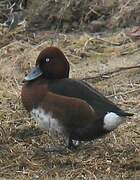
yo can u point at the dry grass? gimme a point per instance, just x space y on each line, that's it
22 143
72 15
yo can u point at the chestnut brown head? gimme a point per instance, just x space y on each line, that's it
51 63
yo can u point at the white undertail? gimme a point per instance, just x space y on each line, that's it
112 121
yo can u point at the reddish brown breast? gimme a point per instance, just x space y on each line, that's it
32 94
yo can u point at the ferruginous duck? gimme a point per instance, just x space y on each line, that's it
67 106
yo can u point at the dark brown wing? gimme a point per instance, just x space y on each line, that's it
79 89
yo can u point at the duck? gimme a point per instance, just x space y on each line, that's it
69 107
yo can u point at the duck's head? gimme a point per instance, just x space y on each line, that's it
51 64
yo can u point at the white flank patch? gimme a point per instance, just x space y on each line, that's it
46 121
75 142
112 121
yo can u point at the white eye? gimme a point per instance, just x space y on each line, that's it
47 59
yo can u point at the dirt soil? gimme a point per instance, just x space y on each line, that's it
110 62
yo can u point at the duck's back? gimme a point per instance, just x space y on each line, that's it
80 89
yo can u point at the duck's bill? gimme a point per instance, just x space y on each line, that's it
35 73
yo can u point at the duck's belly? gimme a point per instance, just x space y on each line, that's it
87 134
110 122
46 121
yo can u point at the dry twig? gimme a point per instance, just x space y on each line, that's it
106 75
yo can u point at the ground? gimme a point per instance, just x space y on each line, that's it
109 62
91 58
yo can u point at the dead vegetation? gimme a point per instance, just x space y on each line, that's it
23 144
111 63
92 16
71 15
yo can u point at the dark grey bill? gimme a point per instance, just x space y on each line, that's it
35 73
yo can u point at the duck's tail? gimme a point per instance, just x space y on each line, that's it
123 114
